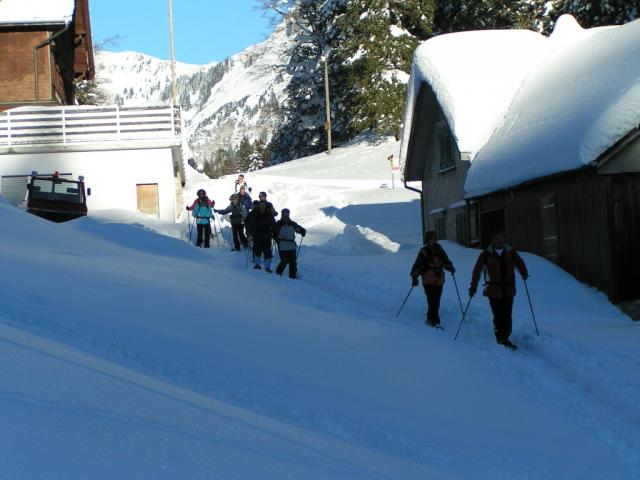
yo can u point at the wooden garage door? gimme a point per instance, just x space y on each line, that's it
148 198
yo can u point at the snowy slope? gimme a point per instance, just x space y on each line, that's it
133 78
222 101
128 354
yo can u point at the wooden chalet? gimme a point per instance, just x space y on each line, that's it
560 172
46 46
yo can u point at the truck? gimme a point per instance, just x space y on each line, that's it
55 198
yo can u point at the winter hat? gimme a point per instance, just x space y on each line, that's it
285 211
201 191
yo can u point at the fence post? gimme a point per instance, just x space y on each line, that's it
9 126
64 127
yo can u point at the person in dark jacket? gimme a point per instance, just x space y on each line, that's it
238 214
284 233
201 209
270 207
259 225
245 199
499 261
430 263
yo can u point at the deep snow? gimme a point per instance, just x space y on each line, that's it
128 354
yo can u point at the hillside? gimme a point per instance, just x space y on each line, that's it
223 102
128 354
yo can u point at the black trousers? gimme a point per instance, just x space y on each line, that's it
203 230
238 235
434 293
502 320
288 257
262 246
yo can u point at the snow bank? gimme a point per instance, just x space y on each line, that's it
569 111
36 11
357 240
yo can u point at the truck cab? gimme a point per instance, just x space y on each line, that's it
55 198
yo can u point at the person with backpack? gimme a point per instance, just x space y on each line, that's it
284 233
499 261
201 209
430 263
238 214
259 225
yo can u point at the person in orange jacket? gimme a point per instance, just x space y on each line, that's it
499 262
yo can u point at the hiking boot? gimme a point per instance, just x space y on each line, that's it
268 270
257 267
236 249
508 344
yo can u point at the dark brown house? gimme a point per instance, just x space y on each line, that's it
560 172
46 46
450 114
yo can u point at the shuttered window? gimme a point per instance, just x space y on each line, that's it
447 150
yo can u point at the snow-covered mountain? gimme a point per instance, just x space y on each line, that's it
222 101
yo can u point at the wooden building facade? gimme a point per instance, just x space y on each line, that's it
434 159
587 221
41 59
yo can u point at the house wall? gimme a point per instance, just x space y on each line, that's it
17 71
582 217
440 188
111 175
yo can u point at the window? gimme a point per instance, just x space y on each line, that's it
462 228
447 150
440 227
474 226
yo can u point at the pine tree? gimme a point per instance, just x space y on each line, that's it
594 13
243 154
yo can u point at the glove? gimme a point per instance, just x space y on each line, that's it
303 232
472 291
525 276
188 208
452 270
414 281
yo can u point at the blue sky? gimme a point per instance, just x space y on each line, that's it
204 30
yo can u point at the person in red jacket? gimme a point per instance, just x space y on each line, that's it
431 262
499 262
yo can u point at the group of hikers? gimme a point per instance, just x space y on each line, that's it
253 226
497 263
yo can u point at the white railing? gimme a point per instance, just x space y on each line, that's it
86 124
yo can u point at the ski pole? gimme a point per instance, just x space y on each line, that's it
215 232
531 307
464 314
299 246
453 275
220 226
405 301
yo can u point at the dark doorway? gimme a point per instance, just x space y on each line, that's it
626 239
490 221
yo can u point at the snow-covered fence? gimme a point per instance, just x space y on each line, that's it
71 125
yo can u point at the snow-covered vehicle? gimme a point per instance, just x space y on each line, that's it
55 198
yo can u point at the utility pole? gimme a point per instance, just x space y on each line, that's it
173 57
327 124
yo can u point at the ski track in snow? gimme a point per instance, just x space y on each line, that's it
591 390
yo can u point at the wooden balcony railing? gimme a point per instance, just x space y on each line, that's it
76 125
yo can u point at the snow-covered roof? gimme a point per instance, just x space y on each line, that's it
569 111
40 12
474 76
